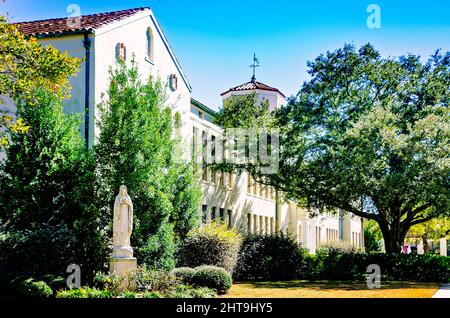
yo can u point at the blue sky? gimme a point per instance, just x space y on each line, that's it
215 40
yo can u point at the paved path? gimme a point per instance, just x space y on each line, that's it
444 292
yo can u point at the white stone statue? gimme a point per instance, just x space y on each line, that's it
122 225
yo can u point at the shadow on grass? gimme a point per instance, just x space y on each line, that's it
334 285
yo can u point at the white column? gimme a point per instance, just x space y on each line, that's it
443 246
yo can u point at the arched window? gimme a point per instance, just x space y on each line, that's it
149 44
121 52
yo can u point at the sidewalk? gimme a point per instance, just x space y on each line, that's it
444 292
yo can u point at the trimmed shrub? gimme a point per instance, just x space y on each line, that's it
336 265
183 291
272 257
186 274
213 245
35 289
212 277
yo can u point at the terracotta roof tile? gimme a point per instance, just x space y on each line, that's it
253 85
88 23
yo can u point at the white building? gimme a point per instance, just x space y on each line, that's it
103 38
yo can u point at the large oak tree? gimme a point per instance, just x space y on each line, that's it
371 136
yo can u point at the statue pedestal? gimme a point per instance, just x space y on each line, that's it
123 267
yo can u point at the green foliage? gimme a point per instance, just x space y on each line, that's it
49 249
185 274
183 291
27 66
35 289
110 282
136 149
47 198
244 112
144 280
431 230
159 249
152 295
212 277
335 265
372 237
271 257
371 131
128 294
85 292
212 244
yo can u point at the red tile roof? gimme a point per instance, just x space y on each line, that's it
253 85
88 23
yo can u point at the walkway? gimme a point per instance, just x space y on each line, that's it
444 292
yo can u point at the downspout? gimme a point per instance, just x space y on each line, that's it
87 45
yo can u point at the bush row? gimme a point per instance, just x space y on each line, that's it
281 258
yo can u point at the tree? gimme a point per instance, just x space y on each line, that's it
244 111
26 66
136 148
431 230
370 136
372 237
47 186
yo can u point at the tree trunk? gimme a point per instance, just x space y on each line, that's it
426 246
393 240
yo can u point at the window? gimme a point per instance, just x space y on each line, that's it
204 149
300 234
121 52
149 44
266 225
261 225
255 224
341 226
204 213
249 223
222 215
213 158
213 213
230 219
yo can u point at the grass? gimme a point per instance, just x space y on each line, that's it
331 289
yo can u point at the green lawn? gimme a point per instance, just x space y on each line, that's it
331 289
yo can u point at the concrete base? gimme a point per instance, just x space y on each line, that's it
123 267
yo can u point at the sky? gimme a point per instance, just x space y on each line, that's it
215 40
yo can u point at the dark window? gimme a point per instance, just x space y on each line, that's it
204 212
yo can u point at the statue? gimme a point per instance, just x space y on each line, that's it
123 224
122 261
